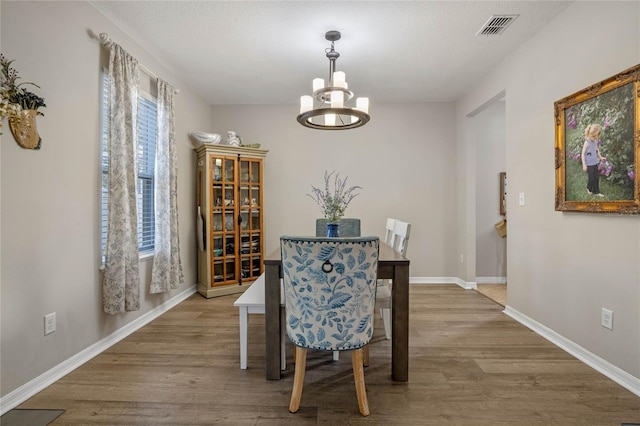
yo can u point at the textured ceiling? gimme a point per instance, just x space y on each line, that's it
267 52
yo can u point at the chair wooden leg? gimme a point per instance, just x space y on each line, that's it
298 378
283 339
358 374
365 356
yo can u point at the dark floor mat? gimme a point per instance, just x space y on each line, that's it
28 417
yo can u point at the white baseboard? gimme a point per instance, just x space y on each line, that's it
29 389
619 376
491 280
469 285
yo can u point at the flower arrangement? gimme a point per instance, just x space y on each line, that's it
14 97
333 203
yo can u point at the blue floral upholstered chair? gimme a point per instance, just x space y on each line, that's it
330 289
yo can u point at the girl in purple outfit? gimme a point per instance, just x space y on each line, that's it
591 157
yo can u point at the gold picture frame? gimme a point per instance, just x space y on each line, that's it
609 111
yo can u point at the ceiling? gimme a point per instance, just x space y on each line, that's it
267 52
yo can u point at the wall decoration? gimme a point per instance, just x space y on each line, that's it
19 105
597 147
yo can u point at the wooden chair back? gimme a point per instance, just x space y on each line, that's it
388 235
401 232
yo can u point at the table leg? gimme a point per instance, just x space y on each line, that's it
272 321
400 323
244 328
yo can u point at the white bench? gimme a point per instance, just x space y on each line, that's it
252 302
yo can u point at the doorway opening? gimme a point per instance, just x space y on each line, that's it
494 291
488 131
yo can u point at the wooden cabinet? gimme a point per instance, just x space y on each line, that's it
230 234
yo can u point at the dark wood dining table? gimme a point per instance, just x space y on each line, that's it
391 265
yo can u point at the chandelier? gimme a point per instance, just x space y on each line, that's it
331 112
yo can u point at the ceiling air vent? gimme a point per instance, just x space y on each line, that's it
496 24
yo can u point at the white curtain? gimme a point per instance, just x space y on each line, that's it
166 272
121 285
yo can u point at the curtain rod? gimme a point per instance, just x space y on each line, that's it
104 39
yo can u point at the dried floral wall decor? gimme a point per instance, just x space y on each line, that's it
19 105
597 147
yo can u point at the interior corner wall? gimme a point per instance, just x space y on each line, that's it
560 275
465 211
50 217
488 136
404 159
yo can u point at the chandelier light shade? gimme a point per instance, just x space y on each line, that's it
331 111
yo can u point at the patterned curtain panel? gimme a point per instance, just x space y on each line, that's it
121 286
166 272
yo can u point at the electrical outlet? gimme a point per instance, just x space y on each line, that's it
49 323
607 318
461 258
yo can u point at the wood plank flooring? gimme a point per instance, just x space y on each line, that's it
469 365
495 292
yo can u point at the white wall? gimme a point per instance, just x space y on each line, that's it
488 134
51 198
558 276
404 159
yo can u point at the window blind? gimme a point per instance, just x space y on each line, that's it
147 136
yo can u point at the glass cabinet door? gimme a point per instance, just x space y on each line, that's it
229 169
255 171
250 219
216 169
216 193
223 223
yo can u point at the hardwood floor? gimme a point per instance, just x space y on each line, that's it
469 365
495 292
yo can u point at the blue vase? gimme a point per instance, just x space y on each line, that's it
332 230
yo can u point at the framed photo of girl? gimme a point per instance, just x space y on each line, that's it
597 147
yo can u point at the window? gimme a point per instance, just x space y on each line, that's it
146 154
146 158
